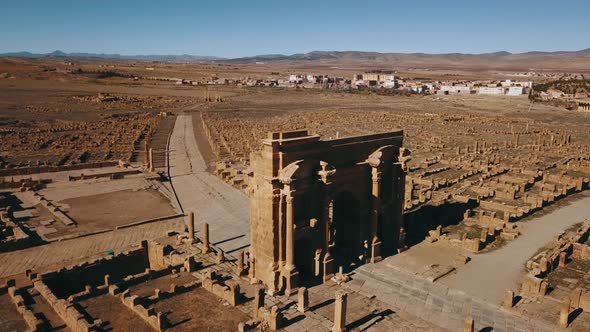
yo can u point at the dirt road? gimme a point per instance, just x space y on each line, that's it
489 275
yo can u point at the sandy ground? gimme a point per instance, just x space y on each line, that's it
114 314
490 274
120 207
225 208
10 319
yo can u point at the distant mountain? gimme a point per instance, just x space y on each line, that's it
60 54
502 60
529 61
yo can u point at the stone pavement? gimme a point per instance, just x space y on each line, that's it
70 251
362 314
225 208
436 303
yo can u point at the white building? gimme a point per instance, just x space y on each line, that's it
515 91
461 89
486 90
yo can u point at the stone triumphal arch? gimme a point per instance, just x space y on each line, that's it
317 204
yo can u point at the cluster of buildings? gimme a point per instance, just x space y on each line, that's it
505 87
376 80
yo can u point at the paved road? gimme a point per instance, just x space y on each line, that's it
225 208
489 275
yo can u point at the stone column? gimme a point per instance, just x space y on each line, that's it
289 246
468 325
302 299
151 153
564 312
375 242
191 228
240 263
290 273
281 230
258 300
205 248
147 156
327 261
325 175
562 259
543 265
508 299
340 312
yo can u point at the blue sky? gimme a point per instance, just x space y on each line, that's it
249 27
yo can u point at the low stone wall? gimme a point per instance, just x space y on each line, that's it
76 278
13 237
24 183
150 316
111 175
65 310
155 319
53 169
29 317
230 292
535 282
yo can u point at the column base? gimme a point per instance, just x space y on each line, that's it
290 280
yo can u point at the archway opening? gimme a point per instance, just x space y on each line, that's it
347 244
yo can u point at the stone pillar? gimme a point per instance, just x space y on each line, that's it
281 230
289 247
240 263
107 280
205 248
258 300
376 197
543 264
468 325
302 299
340 312
576 297
220 257
327 260
290 270
147 156
191 228
564 312
151 154
328 263
483 237
562 259
508 299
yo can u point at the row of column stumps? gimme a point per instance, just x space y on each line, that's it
303 305
206 247
564 306
302 292
191 233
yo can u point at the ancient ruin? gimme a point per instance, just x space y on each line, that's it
317 205
337 191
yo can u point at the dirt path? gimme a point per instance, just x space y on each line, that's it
225 208
489 275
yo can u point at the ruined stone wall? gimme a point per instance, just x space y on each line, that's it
74 279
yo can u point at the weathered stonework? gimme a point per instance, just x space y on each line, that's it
316 205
